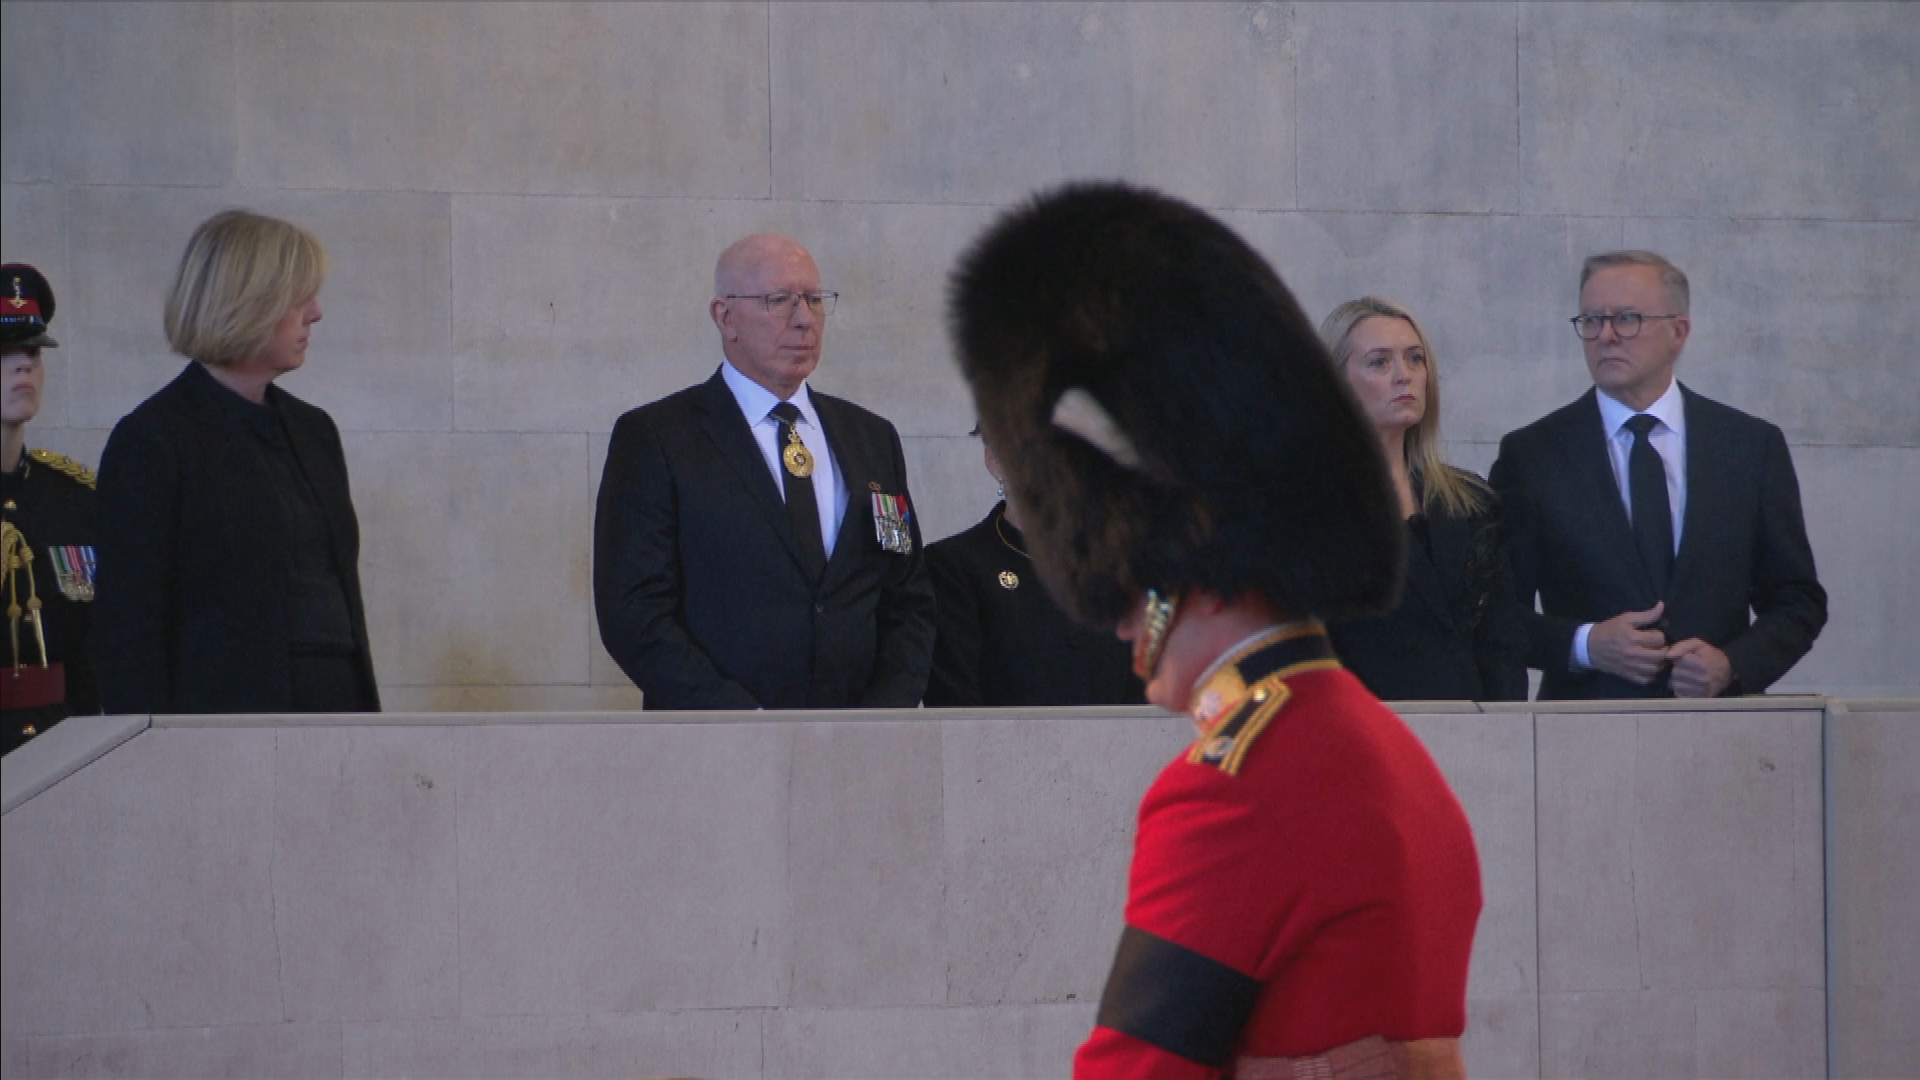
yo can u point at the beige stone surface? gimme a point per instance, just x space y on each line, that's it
264 1051
1873 933
473 566
616 869
866 874
583 99
1724 110
1775 328
152 85
1039 837
104 934
705 1042
366 880
896 1044
1655 831
1488 761
1502 1039
1857 501
982 102
1383 115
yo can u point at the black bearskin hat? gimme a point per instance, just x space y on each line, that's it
1165 414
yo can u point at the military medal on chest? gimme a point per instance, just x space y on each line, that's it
795 457
891 513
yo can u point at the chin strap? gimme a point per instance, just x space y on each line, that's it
1155 628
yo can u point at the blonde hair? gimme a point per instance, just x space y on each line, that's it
241 272
1455 491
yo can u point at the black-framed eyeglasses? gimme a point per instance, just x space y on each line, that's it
1625 323
782 303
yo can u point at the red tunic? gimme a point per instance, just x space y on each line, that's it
1302 878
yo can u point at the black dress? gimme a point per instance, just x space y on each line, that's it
1002 640
1456 634
50 499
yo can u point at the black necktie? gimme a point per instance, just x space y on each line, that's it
1652 514
796 471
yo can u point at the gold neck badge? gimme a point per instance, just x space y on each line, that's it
795 456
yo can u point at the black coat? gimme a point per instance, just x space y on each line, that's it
1003 641
192 612
697 577
1456 634
50 499
1743 547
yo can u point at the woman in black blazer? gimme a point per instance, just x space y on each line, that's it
1456 634
1001 640
228 547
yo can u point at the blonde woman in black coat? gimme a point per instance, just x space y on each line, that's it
228 543
1456 634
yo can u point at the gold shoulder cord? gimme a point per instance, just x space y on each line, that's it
65 464
17 558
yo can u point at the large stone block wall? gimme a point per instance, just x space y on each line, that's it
1669 891
523 203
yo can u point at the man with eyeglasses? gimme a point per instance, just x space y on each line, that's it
754 544
1661 531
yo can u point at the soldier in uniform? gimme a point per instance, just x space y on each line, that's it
46 539
1001 640
1190 472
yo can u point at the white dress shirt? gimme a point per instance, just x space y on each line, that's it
1669 437
756 403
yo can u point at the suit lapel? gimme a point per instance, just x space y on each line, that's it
1704 459
1592 472
727 427
854 476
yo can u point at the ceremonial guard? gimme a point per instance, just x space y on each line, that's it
1304 886
46 533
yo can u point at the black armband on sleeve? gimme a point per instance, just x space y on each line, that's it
1171 997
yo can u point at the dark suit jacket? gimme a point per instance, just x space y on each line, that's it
697 573
1456 634
1003 646
1743 547
191 614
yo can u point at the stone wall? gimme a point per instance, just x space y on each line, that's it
931 893
523 203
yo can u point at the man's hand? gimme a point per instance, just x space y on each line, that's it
1699 669
1630 645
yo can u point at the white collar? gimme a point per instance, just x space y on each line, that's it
1669 409
757 401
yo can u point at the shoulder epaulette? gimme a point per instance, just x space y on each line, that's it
1249 689
65 464
1226 746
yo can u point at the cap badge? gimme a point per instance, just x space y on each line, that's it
17 301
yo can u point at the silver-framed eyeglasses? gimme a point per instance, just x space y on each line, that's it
782 303
1625 323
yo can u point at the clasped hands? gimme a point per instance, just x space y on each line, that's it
1632 646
